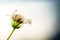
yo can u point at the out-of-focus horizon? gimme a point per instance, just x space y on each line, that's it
42 13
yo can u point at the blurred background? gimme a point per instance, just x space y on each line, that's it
44 15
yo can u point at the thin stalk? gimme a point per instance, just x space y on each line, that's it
10 34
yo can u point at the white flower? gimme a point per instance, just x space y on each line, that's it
18 19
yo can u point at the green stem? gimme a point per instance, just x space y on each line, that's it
11 34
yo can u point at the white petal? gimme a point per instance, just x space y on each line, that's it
27 20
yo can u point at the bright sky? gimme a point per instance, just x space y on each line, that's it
43 15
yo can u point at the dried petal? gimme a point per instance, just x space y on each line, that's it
18 18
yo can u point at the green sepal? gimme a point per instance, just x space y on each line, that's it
15 25
18 26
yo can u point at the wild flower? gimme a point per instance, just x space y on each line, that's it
17 21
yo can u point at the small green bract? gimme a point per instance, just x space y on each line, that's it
16 25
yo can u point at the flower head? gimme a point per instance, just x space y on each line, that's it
18 19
